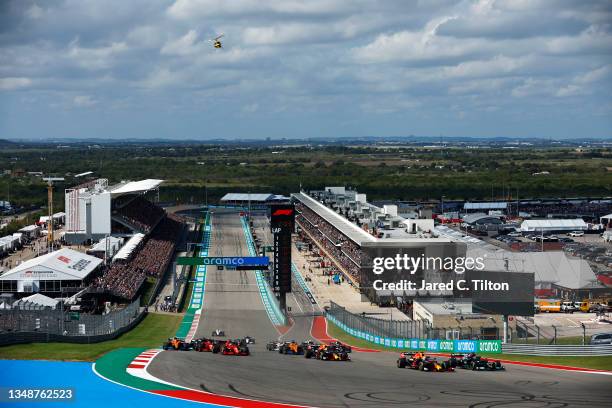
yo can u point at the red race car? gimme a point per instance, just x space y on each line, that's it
234 348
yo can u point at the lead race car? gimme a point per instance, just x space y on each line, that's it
419 361
474 362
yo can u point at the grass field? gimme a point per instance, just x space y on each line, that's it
151 332
599 362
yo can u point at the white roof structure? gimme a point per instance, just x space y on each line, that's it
36 300
131 187
606 217
549 267
125 252
29 228
346 227
63 264
553 225
486 206
113 243
246 197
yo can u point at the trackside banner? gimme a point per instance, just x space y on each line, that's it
440 346
224 260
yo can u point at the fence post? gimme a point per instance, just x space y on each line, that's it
538 339
555 338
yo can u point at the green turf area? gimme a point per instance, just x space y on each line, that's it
598 362
151 332
149 286
184 305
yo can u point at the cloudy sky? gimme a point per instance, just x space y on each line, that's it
317 68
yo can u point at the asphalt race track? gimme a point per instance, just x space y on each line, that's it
232 303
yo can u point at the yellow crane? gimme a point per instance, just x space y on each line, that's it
50 181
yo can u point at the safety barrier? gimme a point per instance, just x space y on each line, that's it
431 345
558 350
267 296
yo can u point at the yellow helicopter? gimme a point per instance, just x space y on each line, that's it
216 42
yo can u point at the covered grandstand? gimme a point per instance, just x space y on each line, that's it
95 210
342 226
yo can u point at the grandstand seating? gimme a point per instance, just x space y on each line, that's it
140 213
344 251
151 258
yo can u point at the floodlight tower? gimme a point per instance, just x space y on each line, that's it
50 181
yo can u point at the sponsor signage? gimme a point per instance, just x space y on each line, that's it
236 261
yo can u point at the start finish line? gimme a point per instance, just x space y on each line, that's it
236 261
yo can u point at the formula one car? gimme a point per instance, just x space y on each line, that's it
475 362
419 361
310 348
273 345
345 347
291 347
249 340
329 353
209 345
410 359
176 344
234 348
218 333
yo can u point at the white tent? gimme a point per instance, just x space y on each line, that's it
35 300
62 265
553 225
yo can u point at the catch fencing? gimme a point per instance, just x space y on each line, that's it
379 327
62 322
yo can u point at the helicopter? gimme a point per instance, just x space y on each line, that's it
216 42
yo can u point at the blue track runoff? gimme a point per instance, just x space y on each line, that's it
90 391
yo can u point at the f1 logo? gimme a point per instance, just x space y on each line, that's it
285 211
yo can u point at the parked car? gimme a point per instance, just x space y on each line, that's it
514 234
576 234
601 338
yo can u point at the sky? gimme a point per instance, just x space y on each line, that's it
120 69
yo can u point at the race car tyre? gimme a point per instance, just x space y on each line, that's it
401 363
308 354
421 366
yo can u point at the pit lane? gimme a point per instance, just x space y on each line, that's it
232 303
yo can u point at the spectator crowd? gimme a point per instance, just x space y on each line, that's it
125 278
140 213
344 251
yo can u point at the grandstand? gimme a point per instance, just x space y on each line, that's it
95 210
343 227
326 221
